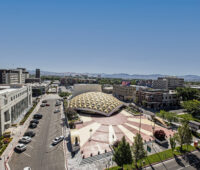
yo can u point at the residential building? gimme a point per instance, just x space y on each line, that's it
124 93
15 100
173 82
157 99
13 76
37 73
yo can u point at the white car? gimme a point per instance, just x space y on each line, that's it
57 140
20 147
25 139
56 111
27 168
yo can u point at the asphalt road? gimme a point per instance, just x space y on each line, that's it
40 154
189 162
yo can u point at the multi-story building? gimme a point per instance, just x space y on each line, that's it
157 99
13 76
33 80
173 82
160 84
15 100
39 88
37 73
83 88
124 93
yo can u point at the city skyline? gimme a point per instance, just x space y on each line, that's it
102 37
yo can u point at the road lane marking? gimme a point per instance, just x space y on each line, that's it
26 154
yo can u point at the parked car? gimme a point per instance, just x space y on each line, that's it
47 104
57 140
44 101
29 133
27 168
37 116
32 125
56 111
20 147
34 121
42 105
25 139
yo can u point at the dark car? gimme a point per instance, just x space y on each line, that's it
37 116
34 121
44 101
47 104
29 133
32 125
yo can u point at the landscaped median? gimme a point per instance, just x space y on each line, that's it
5 139
28 113
156 158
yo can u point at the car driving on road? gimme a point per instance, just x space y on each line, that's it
20 147
57 140
25 140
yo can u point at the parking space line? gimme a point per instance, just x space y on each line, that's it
30 146
26 154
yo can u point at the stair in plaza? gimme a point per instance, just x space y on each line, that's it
92 159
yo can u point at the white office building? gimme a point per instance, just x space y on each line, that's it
15 100
13 76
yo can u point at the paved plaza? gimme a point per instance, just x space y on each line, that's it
98 132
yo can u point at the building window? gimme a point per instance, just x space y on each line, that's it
6 116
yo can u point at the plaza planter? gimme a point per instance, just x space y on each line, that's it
162 142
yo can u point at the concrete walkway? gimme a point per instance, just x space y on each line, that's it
18 133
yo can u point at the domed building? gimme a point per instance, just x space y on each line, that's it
96 102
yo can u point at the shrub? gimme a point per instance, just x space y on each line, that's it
7 134
7 140
116 143
160 134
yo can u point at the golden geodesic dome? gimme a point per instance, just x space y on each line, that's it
96 102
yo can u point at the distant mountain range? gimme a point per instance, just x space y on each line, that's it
117 75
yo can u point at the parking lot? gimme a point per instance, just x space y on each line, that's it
40 154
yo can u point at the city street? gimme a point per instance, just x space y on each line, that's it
189 162
40 154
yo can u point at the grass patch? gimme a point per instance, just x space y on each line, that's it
155 158
27 114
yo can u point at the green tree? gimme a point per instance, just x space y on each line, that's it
70 113
192 106
172 141
122 153
138 149
183 135
187 93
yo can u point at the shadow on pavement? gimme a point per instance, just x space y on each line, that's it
193 160
178 161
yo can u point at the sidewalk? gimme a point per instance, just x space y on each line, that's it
19 131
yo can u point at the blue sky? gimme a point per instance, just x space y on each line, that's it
101 36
